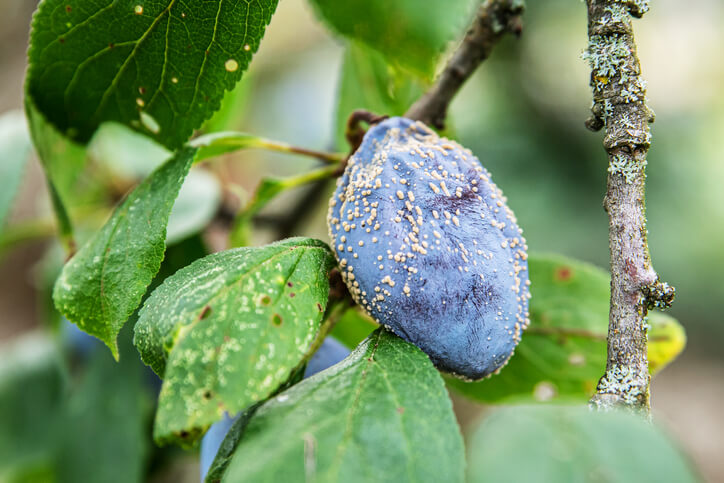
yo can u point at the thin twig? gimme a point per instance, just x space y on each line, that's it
495 18
267 190
619 96
215 144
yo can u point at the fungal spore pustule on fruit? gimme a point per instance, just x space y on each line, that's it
429 248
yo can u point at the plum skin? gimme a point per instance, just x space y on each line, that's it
429 248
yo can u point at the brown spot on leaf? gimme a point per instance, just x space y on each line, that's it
265 300
205 312
563 274
290 284
319 307
277 320
292 294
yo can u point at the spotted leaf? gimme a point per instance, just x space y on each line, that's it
159 66
229 329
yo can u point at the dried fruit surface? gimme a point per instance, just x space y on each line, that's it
429 248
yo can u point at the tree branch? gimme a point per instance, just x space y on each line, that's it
619 105
494 19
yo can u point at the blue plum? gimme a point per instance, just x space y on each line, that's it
330 353
429 248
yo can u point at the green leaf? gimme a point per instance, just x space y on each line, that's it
229 329
131 156
160 66
382 414
62 162
14 151
101 286
106 423
562 354
96 431
407 32
228 445
32 384
548 443
368 82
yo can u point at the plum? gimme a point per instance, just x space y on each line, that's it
429 248
330 353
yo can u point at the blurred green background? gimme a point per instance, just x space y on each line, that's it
522 114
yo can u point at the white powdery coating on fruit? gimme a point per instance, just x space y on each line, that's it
356 209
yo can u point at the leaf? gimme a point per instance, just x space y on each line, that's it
229 329
14 151
368 82
62 162
549 443
562 354
406 32
354 327
92 431
106 417
159 66
101 286
667 339
382 414
228 445
132 156
32 383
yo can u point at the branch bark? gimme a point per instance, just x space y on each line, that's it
494 19
619 106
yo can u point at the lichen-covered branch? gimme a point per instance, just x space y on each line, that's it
619 106
494 19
